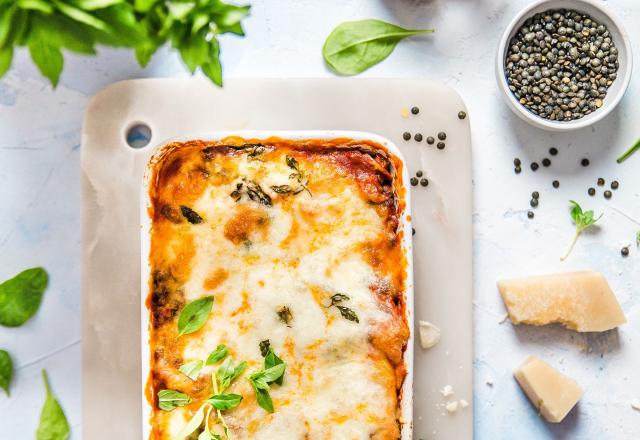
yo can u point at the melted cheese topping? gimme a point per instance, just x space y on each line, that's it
343 378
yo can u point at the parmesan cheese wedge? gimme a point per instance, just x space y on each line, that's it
550 391
581 301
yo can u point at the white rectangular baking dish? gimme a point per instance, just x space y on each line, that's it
406 415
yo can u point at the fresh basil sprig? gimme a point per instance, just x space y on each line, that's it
218 354
53 423
47 27
260 381
354 46
271 360
227 372
583 220
192 369
6 371
168 400
21 295
194 315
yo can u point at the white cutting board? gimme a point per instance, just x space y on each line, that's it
111 186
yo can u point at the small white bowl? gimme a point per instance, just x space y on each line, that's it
615 92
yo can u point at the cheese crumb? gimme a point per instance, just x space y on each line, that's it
635 404
463 403
429 335
404 112
452 406
447 391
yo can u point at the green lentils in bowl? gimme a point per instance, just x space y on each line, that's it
560 64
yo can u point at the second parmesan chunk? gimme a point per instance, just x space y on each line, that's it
553 393
581 301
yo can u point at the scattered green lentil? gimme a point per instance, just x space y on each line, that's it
546 162
534 166
553 151
413 181
585 162
430 140
406 135
442 135
556 184
419 173
441 145
517 169
601 181
535 195
418 137
625 251
415 110
424 182
607 194
534 203
517 162
591 191
462 115
615 184
530 214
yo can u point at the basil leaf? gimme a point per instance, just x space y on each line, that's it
45 55
193 424
195 50
227 372
349 314
225 402
213 68
238 369
263 397
90 5
6 371
194 315
169 400
20 297
53 423
218 354
354 46
274 373
6 57
81 16
36 5
271 360
192 369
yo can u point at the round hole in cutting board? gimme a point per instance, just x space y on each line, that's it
138 135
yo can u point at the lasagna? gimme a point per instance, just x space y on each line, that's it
277 290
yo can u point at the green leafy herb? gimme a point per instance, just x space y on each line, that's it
582 220
257 194
236 194
264 347
169 400
284 315
338 298
20 296
191 216
297 175
225 402
285 189
193 424
349 314
260 381
48 27
354 46
192 369
227 372
271 360
218 354
635 148
53 423
194 315
6 371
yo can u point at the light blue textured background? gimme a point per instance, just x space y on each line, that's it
40 211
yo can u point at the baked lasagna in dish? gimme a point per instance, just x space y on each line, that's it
277 291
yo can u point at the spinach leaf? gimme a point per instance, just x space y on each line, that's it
169 400
218 354
53 423
20 296
354 46
6 371
225 402
192 369
194 315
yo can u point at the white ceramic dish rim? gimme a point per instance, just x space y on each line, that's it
406 408
624 49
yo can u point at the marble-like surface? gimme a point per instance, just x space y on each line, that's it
40 194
